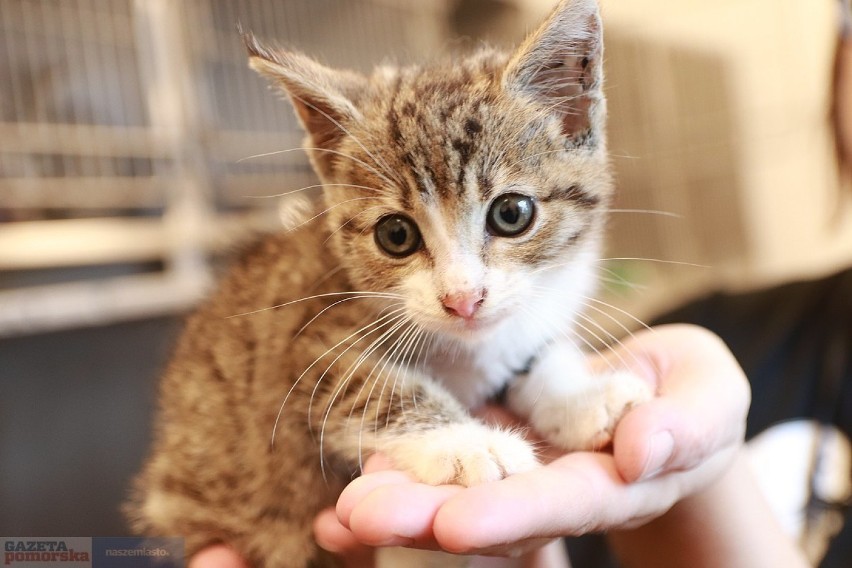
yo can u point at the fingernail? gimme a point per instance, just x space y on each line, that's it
661 448
396 540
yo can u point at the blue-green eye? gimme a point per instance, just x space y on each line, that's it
510 215
397 235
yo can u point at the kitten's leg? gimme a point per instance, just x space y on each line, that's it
425 431
571 407
463 450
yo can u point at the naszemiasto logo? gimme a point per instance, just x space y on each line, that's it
34 550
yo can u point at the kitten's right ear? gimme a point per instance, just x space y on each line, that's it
323 97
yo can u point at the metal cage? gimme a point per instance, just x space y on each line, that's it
135 142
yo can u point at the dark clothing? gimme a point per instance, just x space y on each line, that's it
795 344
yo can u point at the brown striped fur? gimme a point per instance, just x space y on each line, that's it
281 347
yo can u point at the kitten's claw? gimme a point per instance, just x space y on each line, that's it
586 420
465 454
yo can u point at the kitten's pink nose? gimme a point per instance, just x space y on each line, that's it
463 304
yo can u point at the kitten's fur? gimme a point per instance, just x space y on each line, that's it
370 351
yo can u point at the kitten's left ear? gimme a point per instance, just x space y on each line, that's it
561 66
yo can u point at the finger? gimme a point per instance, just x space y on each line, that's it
397 513
217 556
377 462
388 508
553 555
700 408
533 553
579 493
667 435
525 549
332 536
337 539
562 498
355 493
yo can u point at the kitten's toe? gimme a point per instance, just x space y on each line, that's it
465 454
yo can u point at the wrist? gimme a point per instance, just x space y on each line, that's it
727 523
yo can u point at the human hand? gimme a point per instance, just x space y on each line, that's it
664 450
217 556
702 399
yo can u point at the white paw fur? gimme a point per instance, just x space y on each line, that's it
586 419
467 454
570 407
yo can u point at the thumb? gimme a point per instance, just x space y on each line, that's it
700 409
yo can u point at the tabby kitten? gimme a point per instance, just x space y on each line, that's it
464 205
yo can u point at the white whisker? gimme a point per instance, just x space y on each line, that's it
327 209
379 163
390 357
325 309
648 212
327 151
617 309
315 186
377 323
364 212
657 260
346 376
393 319
617 279
412 350
364 294
608 343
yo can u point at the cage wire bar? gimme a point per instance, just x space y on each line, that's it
135 143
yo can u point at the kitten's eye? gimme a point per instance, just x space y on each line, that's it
510 215
397 235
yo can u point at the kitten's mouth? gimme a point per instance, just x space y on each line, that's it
474 326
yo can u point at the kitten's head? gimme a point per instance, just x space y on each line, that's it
474 188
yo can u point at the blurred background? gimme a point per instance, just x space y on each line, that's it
137 149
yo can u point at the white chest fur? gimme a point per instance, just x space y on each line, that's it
474 371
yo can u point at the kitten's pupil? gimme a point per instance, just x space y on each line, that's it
397 235
510 215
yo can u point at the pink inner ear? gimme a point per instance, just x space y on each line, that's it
569 82
561 66
319 120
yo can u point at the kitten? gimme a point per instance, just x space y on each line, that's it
464 205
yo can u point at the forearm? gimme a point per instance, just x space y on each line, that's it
727 525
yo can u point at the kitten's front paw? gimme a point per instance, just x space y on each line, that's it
586 419
466 454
